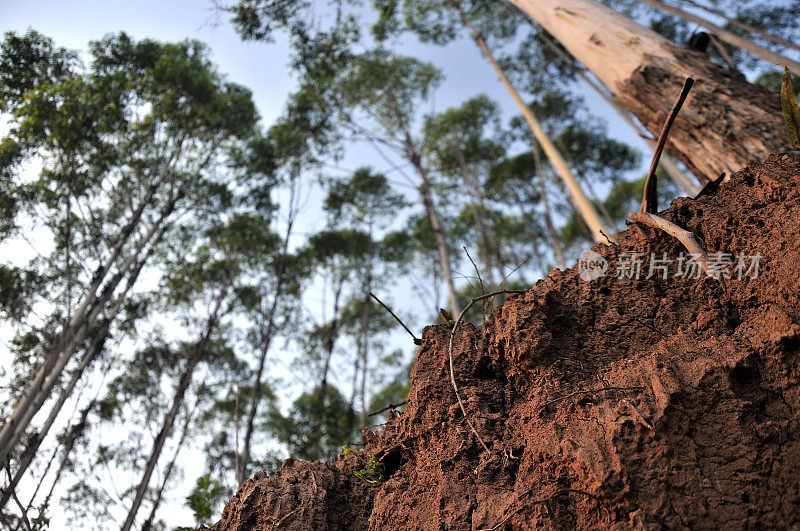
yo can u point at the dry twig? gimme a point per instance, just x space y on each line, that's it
417 341
650 200
684 236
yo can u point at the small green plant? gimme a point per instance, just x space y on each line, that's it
202 499
373 471
791 110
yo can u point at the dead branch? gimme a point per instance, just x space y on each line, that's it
512 272
23 512
417 341
650 200
390 406
450 355
483 290
684 236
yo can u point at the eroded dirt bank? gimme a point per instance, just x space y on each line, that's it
615 403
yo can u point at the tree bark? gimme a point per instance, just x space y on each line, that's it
729 37
726 123
177 401
600 232
678 177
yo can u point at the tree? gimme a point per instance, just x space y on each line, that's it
731 121
127 146
442 31
366 202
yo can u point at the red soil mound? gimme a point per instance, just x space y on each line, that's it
616 402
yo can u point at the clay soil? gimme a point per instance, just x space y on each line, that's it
614 403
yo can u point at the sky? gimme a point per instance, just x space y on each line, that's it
262 67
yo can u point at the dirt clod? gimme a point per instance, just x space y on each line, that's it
614 403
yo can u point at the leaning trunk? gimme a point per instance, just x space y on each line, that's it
726 123
587 211
169 420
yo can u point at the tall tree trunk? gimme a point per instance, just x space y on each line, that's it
365 318
438 233
148 524
726 123
548 216
600 232
266 342
20 418
95 347
678 177
38 394
177 401
729 37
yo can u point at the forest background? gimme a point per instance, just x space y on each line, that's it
280 209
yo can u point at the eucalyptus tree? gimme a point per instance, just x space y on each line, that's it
214 284
458 149
731 121
439 21
365 201
125 145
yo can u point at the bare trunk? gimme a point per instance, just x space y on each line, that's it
39 394
675 173
548 217
25 409
177 401
600 232
726 123
148 524
438 233
365 318
729 37
266 342
95 346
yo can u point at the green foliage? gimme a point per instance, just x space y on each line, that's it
203 498
791 111
373 470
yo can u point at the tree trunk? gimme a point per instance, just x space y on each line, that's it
266 342
438 233
365 318
95 346
38 394
678 177
177 401
148 524
726 123
548 217
729 37
24 411
600 232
